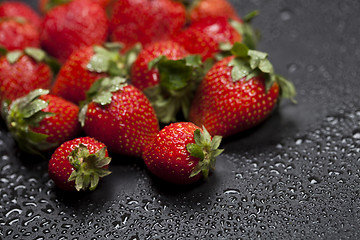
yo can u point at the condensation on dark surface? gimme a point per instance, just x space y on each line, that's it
296 176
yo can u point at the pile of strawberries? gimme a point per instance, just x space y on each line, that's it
111 71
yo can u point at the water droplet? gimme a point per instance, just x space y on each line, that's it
286 14
310 68
314 180
66 225
356 134
231 191
14 210
292 67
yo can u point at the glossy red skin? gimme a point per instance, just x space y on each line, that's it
225 107
167 156
64 125
213 8
20 78
204 36
59 167
19 9
126 125
69 27
141 76
42 4
74 79
145 21
17 36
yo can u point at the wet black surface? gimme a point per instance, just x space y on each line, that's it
296 176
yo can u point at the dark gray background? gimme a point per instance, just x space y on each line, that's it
296 176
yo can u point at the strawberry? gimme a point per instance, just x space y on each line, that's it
168 75
20 9
145 21
210 8
182 153
22 72
205 36
238 92
40 121
45 5
18 33
71 26
85 66
119 115
141 76
79 164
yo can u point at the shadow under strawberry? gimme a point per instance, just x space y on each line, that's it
266 135
171 190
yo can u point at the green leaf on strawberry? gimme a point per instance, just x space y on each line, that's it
178 82
37 54
3 50
206 149
108 59
53 3
101 93
250 36
89 168
251 63
26 112
13 56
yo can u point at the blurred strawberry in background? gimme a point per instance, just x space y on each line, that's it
70 26
145 21
20 9
18 33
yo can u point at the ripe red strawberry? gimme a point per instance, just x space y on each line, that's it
168 75
203 37
182 153
238 93
145 21
141 76
22 72
45 5
71 26
85 66
19 9
18 33
120 116
79 164
40 122
206 35
211 8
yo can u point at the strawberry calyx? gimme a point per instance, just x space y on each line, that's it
24 113
206 149
54 3
88 168
251 63
35 53
101 92
108 59
189 4
178 82
250 36
17 19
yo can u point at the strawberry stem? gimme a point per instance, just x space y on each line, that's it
26 112
88 168
206 149
178 82
251 63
